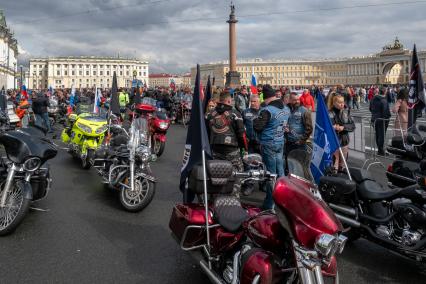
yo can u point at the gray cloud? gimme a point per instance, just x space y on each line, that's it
162 31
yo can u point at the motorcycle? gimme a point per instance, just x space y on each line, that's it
393 218
236 243
84 136
53 110
410 150
158 121
25 177
124 165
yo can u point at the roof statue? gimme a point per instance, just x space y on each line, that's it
397 45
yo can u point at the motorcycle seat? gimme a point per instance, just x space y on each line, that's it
229 213
360 175
371 190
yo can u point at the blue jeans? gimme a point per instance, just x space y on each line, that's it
43 120
272 156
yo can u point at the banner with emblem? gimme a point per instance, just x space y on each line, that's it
416 95
197 141
325 142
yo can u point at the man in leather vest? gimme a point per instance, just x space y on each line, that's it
299 127
249 115
227 134
270 126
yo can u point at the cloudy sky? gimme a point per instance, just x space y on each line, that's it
174 35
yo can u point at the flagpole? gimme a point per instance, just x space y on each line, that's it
346 164
206 205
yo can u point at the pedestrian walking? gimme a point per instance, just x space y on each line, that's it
380 115
270 125
342 124
39 106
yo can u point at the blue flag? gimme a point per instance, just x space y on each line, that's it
196 141
325 142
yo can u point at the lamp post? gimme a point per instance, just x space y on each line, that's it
34 78
14 75
22 82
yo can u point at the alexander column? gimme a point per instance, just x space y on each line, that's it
232 77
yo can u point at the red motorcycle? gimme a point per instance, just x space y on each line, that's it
235 243
158 121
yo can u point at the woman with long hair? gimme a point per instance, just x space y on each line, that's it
401 109
342 124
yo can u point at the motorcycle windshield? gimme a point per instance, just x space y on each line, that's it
149 101
139 131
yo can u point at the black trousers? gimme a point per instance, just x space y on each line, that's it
380 127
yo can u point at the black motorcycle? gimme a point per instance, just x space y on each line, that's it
24 174
124 165
410 150
393 218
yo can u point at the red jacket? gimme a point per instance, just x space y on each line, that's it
307 101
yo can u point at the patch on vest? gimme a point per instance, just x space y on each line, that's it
228 140
220 124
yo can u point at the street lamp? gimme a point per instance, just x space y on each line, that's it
34 78
22 82
14 75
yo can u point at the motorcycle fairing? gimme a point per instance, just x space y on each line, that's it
309 216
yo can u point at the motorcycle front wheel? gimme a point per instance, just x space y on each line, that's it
137 200
15 209
158 146
86 162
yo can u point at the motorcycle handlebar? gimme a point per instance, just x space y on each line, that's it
260 174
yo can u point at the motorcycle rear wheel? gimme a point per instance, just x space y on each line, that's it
15 209
140 198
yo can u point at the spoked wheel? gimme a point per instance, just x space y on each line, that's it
15 209
86 163
135 201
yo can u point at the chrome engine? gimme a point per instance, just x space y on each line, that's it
410 238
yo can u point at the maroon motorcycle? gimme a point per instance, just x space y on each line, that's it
235 243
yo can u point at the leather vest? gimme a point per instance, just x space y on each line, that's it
222 130
295 124
273 133
248 116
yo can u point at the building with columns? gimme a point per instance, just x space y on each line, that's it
85 72
8 55
390 66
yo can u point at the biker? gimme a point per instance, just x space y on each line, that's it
123 98
227 134
270 126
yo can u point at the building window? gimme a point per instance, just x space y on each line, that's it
57 65
127 73
80 66
40 73
87 80
101 66
66 73
72 65
140 73
80 72
73 73
87 73
121 66
66 65
101 73
121 73
107 66
94 73
87 66
144 74
80 80
94 66
57 73
107 73
72 80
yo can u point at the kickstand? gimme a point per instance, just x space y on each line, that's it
39 209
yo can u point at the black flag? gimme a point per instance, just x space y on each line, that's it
196 141
208 95
114 103
416 95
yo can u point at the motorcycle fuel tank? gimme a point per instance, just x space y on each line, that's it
308 216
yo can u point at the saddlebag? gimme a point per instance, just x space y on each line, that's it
188 222
337 190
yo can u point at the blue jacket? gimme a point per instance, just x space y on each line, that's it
249 115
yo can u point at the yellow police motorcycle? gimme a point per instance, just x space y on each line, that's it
84 135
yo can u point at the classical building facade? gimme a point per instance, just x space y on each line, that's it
390 66
8 55
85 72
164 80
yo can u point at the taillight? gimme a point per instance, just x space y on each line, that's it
390 168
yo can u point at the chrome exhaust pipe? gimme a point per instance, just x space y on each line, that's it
210 273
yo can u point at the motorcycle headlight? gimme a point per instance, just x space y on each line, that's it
328 245
143 153
163 125
32 164
83 127
102 129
